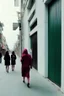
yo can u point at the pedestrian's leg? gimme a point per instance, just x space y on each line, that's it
28 80
0 60
7 69
28 84
24 79
12 67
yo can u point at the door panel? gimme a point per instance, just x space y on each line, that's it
54 42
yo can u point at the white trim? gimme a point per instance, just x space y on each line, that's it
47 1
62 45
33 31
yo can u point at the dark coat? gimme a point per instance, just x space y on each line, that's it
13 59
7 59
26 63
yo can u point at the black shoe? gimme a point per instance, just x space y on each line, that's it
23 81
12 69
28 85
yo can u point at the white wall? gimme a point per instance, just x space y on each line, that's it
62 45
42 31
42 21
26 31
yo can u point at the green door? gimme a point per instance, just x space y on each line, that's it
54 42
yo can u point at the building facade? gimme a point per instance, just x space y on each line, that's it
17 26
17 47
43 33
4 45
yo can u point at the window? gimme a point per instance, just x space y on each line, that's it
16 3
32 16
31 4
34 25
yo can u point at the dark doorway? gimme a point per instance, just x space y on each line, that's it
34 49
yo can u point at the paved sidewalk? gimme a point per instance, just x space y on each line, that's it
11 83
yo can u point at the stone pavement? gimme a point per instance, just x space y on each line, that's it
11 83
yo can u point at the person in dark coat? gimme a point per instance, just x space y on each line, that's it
13 60
0 57
7 60
26 61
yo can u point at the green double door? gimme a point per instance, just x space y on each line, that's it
54 42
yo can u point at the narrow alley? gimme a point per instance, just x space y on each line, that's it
11 83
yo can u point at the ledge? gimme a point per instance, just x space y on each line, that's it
47 1
33 31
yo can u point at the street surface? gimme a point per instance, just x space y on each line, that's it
11 83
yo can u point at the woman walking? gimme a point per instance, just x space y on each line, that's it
13 60
7 61
26 65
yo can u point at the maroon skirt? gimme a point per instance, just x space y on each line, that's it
25 72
